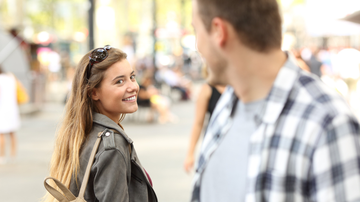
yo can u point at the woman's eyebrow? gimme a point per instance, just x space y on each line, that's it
122 76
118 77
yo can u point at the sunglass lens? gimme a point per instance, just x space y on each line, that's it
107 47
98 55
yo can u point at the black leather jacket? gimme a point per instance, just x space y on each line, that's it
116 176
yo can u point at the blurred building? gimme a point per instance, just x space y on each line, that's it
319 23
56 32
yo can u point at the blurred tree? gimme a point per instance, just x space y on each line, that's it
182 8
61 16
134 10
3 12
288 3
299 2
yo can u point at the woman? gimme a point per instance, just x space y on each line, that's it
206 102
150 96
104 89
9 114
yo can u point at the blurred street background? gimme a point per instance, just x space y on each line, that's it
41 42
161 149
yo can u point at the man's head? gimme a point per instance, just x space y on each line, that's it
256 24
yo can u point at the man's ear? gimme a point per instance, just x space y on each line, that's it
95 95
219 31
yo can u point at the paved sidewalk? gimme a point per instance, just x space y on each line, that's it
161 149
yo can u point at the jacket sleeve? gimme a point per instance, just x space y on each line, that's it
110 179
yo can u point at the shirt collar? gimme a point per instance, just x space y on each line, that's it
280 91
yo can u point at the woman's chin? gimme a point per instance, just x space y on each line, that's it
132 110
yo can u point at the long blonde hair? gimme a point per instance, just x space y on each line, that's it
78 119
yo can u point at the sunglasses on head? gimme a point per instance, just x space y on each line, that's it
96 56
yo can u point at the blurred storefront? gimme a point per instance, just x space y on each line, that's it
51 36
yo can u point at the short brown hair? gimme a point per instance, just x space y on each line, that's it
257 22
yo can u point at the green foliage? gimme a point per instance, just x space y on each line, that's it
3 10
134 13
163 7
48 17
294 2
298 2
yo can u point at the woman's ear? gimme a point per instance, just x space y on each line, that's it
95 95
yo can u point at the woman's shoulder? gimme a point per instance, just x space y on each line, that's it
110 139
205 91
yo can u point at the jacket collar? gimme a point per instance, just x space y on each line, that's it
108 123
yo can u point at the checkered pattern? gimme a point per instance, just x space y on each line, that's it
306 146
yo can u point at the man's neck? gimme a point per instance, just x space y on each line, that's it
252 73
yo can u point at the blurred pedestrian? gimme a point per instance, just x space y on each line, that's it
205 104
300 61
290 137
149 96
104 89
314 64
9 114
175 79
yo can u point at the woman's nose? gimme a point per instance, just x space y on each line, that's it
133 86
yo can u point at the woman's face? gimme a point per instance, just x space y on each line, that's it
117 92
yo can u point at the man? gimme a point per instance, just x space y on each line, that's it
309 56
289 137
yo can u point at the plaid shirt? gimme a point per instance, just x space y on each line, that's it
306 146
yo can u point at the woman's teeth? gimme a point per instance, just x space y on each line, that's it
130 98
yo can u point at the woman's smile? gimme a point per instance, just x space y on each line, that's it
130 99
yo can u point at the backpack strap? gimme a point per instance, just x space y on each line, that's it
90 163
68 196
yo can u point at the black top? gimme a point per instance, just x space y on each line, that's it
143 102
215 95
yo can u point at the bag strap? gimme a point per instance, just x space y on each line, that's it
56 194
68 196
88 168
91 161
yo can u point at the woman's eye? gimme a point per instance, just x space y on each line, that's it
132 77
120 81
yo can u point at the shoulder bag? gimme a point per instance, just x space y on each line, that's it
21 94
